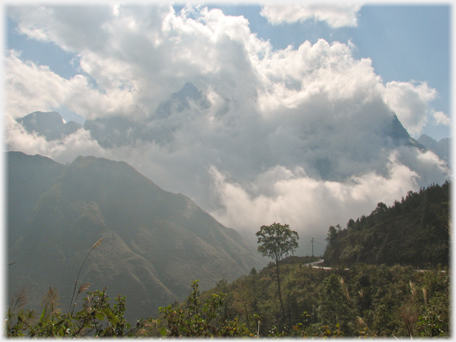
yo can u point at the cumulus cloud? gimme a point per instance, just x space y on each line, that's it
334 15
310 206
303 136
410 102
30 87
63 151
145 53
441 118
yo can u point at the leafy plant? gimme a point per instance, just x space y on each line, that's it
96 319
200 319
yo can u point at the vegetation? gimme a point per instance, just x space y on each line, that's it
277 241
385 295
366 300
201 320
96 319
413 232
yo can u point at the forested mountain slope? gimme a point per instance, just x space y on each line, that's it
413 232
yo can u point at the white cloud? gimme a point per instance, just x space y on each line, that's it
62 151
310 206
335 16
300 132
149 52
410 102
294 77
30 87
441 118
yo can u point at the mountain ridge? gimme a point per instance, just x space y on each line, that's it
441 148
154 240
48 124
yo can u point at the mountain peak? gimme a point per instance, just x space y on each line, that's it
396 131
440 148
189 90
180 101
48 124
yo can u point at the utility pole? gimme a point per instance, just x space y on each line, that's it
312 246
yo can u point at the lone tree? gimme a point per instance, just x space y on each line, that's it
277 241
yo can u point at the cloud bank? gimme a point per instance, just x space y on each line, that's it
301 136
335 16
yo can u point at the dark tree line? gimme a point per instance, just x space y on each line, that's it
414 231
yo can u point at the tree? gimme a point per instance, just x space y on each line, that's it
276 242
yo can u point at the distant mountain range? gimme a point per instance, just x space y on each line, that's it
166 126
154 242
115 131
118 131
440 148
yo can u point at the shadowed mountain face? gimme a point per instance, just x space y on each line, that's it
154 242
28 177
116 131
48 124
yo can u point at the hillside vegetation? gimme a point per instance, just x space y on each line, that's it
366 300
414 231
374 288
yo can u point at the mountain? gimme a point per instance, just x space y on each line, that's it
412 232
400 136
170 115
48 124
440 148
28 178
154 242
118 131
181 100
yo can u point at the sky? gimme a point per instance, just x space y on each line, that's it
298 97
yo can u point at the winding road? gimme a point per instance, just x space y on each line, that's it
316 263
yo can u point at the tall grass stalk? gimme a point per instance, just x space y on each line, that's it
19 299
77 278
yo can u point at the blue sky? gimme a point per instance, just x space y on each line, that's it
300 100
404 42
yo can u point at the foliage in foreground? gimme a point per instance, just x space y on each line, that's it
96 319
365 301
